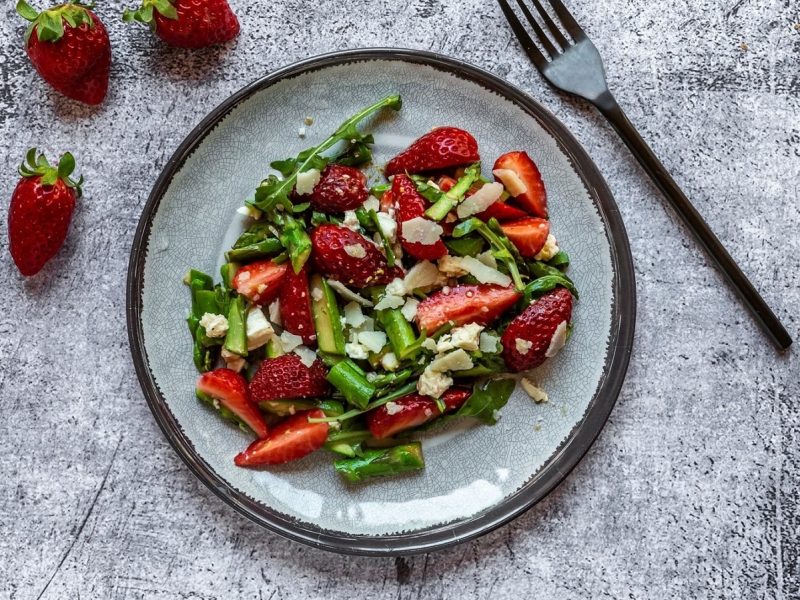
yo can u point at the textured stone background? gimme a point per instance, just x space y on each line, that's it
690 491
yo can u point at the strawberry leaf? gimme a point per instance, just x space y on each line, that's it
66 165
26 11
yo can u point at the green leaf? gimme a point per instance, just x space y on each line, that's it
66 165
545 284
487 399
165 7
560 260
26 11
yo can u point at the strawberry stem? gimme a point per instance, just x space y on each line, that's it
38 166
49 24
144 14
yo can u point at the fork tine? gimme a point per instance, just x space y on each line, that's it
525 40
554 30
543 39
570 24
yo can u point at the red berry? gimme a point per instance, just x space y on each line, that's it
188 23
290 440
411 204
40 211
528 235
411 411
342 254
534 199
442 148
260 282
230 389
287 378
529 338
465 304
340 188
295 305
75 61
502 212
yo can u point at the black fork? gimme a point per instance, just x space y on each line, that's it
569 61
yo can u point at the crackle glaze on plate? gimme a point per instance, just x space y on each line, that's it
477 477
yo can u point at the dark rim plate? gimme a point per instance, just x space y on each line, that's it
561 463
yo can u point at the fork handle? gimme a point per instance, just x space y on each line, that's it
609 107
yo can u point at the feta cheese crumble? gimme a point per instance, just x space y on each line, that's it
290 341
356 351
558 340
523 346
348 294
512 182
392 408
350 220
307 181
353 315
409 309
232 360
488 343
372 340
307 355
420 230
259 330
536 393
480 200
216 326
355 250
549 250
390 362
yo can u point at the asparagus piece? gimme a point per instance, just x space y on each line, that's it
381 462
262 249
236 338
398 330
347 377
454 195
327 318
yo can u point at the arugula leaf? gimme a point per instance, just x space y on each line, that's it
498 245
545 284
487 398
560 260
358 151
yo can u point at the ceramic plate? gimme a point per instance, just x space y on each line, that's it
477 477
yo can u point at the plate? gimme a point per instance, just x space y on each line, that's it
477 477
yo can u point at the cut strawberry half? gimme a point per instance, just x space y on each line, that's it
260 282
441 148
412 411
410 204
528 235
230 390
445 183
387 201
295 305
290 440
287 378
465 304
524 170
539 332
502 212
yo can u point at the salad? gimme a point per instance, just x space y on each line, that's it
351 314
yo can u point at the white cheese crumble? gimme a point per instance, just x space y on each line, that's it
301 133
259 330
429 344
488 259
523 346
422 275
536 393
317 294
390 301
484 273
420 230
457 360
274 311
249 211
450 266
307 355
372 340
355 350
307 181
232 360
396 287
216 326
409 309
353 315
372 203
549 250
488 343
355 250
392 408
467 336
432 383
388 226
390 362
480 200
290 341
511 181
558 340
347 293
350 220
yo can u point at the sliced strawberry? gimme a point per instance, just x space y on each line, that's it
539 332
411 411
295 305
439 149
528 235
534 198
347 256
387 201
502 212
260 282
411 204
445 183
287 378
230 389
289 440
465 304
340 188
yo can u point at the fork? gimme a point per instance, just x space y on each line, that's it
570 62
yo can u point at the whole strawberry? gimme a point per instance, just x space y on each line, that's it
69 47
41 210
287 378
187 23
350 258
441 148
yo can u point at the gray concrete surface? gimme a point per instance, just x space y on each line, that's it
691 490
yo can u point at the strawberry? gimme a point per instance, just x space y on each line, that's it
445 183
412 411
340 188
439 149
502 212
528 235
534 198
538 332
387 201
287 378
260 282
187 23
230 389
411 204
342 254
69 47
290 440
465 304
40 211
295 305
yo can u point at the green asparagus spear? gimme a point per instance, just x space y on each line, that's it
262 249
398 330
454 195
347 377
381 462
236 339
